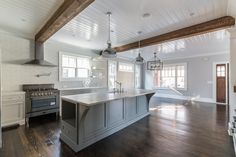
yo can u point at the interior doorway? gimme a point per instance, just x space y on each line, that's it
222 83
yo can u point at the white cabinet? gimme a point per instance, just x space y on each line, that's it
13 108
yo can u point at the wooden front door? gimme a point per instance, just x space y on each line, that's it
221 83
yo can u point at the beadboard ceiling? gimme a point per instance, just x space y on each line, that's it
26 17
89 29
213 43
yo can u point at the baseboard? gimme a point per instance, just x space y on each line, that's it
188 98
20 122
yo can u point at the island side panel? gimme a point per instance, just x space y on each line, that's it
69 123
103 119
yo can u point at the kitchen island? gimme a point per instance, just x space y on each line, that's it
88 118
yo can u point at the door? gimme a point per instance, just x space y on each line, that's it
221 83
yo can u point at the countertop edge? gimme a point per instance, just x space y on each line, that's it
102 101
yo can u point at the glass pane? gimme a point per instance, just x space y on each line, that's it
68 61
72 62
82 73
126 67
222 68
112 71
168 82
180 82
218 68
68 72
218 74
182 73
83 63
65 61
137 76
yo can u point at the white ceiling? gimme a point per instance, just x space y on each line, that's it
26 17
89 29
208 44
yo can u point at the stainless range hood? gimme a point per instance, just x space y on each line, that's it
39 56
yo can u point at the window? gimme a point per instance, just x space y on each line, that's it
126 67
174 76
112 74
221 70
73 67
137 76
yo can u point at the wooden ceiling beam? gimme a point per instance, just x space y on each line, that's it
66 12
205 27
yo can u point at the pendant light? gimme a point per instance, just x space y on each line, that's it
109 52
139 59
155 63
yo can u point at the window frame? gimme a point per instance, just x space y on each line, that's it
76 78
176 76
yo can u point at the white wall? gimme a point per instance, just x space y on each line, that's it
17 50
199 75
232 98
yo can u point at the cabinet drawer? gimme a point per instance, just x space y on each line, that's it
7 98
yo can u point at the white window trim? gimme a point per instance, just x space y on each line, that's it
185 76
61 53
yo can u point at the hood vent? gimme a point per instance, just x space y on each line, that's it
39 56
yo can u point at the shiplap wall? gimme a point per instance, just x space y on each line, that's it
17 50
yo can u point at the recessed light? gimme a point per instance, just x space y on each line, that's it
23 20
192 14
146 15
139 32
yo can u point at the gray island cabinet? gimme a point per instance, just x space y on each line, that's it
88 118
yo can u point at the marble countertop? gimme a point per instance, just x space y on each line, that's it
12 92
91 99
79 88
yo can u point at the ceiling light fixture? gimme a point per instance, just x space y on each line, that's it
155 63
146 15
109 52
139 59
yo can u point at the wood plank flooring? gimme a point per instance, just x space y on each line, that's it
174 129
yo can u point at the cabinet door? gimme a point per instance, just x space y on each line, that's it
115 112
130 108
95 121
142 105
11 113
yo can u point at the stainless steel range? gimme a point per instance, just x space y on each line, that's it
40 99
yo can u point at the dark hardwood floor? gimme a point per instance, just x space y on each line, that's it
174 129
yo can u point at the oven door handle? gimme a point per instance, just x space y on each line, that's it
41 98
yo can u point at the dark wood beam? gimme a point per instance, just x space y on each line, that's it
66 12
205 27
